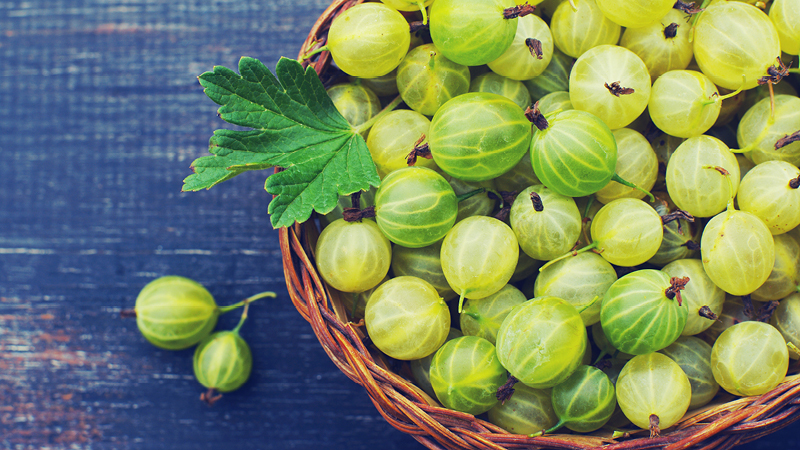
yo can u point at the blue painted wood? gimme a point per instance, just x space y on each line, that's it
100 117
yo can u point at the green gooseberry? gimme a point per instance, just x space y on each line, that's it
466 374
528 411
585 401
223 361
174 312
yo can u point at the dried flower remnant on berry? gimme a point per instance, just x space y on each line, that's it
535 47
536 117
687 7
518 11
706 312
654 430
677 284
765 313
505 391
420 151
538 206
794 183
617 90
788 139
776 74
671 30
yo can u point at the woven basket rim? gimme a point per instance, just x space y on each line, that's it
408 409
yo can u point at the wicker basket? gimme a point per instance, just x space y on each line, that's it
730 421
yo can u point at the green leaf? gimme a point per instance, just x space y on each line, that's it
294 125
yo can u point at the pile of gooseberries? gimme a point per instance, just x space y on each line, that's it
596 200
175 313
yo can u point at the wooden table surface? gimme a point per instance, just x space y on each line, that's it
100 116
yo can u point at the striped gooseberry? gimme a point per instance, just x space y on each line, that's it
732 39
415 207
542 341
643 311
223 361
612 83
694 356
653 392
574 153
482 317
406 319
528 411
700 294
585 401
368 40
478 136
353 256
472 32
749 358
174 312
426 79
466 374
479 255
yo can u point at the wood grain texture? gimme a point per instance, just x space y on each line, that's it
100 117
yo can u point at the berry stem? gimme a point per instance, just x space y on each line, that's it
421 4
675 215
210 396
466 195
389 108
558 425
602 355
696 16
594 300
591 246
624 182
461 301
259 296
727 176
308 55
243 318
719 98
357 214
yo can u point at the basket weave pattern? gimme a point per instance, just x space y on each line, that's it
407 408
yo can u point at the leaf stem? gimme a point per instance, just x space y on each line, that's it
389 108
